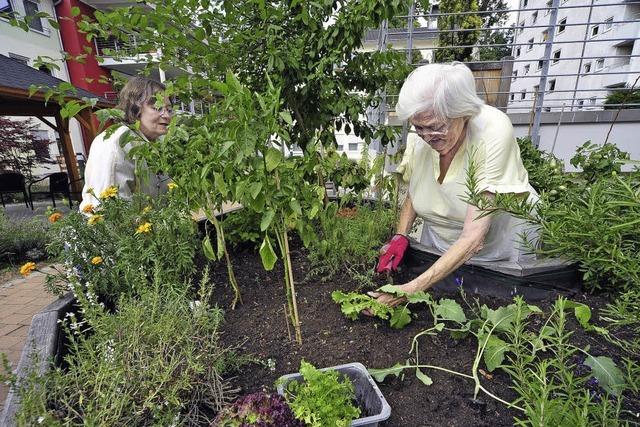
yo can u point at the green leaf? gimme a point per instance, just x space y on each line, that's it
494 352
267 254
418 297
286 117
267 218
380 374
448 309
426 380
208 249
273 158
607 373
400 318
254 189
75 11
392 289
583 314
295 206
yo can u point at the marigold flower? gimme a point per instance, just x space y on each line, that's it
96 260
55 217
144 228
88 208
27 268
109 193
146 209
171 185
93 219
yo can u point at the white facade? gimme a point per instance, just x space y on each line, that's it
599 57
26 46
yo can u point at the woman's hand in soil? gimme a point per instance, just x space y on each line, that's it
392 300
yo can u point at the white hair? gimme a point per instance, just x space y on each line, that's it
449 90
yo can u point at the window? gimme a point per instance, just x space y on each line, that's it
545 35
515 74
592 100
548 11
540 64
547 109
552 85
523 94
556 57
525 3
517 52
534 17
530 44
521 27
595 30
340 147
599 64
31 10
580 104
19 58
513 96
608 24
353 146
562 25
587 68
5 6
526 69
624 52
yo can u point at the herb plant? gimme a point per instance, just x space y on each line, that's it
323 398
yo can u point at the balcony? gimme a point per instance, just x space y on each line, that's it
109 4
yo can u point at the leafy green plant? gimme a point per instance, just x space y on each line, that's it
22 239
323 398
546 171
597 161
622 322
156 361
121 246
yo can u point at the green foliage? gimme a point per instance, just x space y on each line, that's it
622 322
22 240
323 398
130 258
353 303
156 361
622 98
450 37
598 161
349 239
546 171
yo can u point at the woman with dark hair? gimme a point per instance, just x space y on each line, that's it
109 164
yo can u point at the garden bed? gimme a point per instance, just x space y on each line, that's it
258 326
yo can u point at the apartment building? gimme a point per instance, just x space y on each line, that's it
595 50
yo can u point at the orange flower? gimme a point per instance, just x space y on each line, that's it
93 219
96 260
109 193
55 217
27 268
144 228
88 208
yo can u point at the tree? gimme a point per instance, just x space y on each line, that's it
498 18
21 150
450 34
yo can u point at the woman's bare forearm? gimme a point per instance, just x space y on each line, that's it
407 217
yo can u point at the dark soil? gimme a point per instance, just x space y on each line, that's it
258 326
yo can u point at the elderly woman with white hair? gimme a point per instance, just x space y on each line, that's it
452 127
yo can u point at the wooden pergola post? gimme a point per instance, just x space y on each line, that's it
69 153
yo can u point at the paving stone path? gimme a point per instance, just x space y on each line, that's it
20 299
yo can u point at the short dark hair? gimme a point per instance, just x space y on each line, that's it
137 92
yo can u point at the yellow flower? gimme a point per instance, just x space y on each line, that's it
54 217
27 268
109 193
94 219
147 209
171 185
96 260
144 228
88 208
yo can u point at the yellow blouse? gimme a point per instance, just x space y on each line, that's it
491 142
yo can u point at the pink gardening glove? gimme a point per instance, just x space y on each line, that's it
391 253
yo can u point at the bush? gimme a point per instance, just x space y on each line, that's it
546 171
350 238
156 361
598 161
22 240
122 246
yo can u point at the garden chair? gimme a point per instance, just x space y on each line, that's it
58 184
11 183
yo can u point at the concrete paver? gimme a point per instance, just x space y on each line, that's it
20 299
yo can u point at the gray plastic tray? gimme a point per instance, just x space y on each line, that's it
368 394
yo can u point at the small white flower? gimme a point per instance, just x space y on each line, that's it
40 420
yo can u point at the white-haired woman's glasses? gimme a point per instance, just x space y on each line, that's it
432 130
